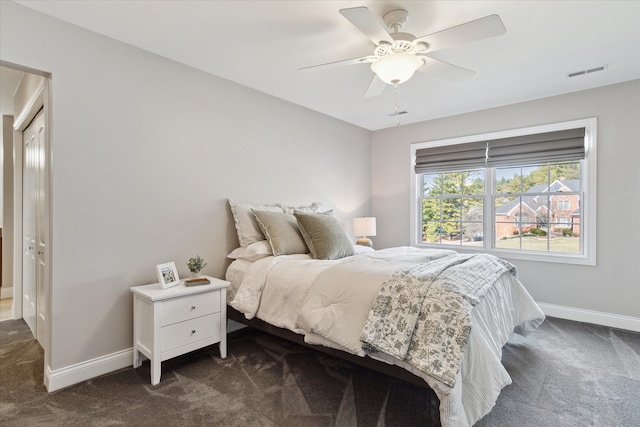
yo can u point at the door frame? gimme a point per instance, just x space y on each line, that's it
39 98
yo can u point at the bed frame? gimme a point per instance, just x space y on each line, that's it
367 362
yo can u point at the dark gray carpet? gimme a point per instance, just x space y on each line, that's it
565 374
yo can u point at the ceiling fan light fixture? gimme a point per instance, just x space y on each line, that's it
397 68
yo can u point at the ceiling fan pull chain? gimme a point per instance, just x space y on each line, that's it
397 107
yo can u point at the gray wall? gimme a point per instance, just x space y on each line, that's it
613 285
146 152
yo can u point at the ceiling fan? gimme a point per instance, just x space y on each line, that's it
398 55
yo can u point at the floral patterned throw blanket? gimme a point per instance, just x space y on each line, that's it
422 314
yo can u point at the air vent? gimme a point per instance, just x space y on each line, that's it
589 71
399 113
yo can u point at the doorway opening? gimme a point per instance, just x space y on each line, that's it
25 220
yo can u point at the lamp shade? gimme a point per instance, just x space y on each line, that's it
397 68
364 226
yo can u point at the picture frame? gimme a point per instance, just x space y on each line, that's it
167 275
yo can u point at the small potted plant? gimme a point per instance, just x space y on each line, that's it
195 265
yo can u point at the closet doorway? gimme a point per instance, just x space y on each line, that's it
34 297
31 202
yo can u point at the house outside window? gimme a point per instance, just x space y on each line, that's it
526 211
522 220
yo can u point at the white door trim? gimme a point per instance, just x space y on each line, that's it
31 108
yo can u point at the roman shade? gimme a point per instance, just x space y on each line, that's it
563 145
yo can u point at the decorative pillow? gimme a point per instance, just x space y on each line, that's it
246 225
282 232
252 252
358 249
312 208
324 236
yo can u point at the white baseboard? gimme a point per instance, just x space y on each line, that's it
61 378
65 377
6 292
589 316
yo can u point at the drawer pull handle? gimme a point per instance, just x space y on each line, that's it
193 331
193 307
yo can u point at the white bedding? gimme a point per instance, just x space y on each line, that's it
275 289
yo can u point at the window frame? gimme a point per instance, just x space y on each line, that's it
587 205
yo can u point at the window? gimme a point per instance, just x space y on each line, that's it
522 220
530 191
452 207
526 194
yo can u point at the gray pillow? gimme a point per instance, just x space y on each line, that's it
282 232
324 236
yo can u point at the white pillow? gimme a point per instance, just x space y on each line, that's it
359 249
246 225
312 208
253 252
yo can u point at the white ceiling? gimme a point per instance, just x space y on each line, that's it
262 44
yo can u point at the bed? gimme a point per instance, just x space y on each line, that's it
432 317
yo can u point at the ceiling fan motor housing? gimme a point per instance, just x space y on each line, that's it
396 62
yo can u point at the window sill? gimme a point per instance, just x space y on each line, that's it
559 258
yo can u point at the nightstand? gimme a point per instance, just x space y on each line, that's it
170 322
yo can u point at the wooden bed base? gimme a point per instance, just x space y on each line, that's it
367 362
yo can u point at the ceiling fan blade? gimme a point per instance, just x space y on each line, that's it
444 70
376 87
361 60
483 28
366 22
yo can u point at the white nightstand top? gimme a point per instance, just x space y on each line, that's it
154 292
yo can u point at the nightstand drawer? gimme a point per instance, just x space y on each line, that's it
189 307
193 330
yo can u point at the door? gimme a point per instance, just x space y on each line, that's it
34 232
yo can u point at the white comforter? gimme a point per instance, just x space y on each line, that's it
281 291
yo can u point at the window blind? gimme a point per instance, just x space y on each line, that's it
451 157
563 145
